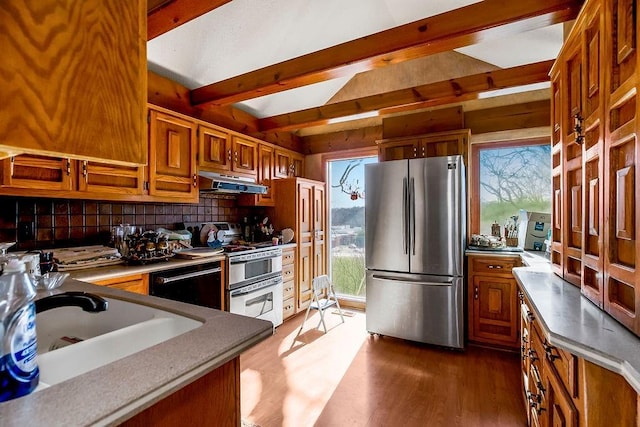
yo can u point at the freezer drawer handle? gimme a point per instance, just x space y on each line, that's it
164 280
401 279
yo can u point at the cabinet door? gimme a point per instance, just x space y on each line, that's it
305 213
282 162
245 156
38 173
319 259
82 84
495 315
398 150
172 160
101 178
305 270
297 165
560 407
445 144
265 175
214 149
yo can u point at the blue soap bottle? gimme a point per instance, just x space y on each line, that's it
19 372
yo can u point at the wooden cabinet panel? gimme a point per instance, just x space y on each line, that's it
289 282
621 246
138 283
494 311
288 163
493 301
214 149
427 145
172 160
103 178
560 407
265 177
82 87
301 206
245 156
38 173
305 271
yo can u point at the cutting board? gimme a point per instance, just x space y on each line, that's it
199 253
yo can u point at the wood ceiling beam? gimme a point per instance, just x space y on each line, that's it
429 95
163 16
450 30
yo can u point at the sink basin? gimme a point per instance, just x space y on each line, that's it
124 329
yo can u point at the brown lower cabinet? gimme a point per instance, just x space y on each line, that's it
213 399
138 283
288 282
562 389
493 309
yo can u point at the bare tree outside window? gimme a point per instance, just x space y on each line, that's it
513 178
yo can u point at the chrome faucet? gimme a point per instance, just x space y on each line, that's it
87 302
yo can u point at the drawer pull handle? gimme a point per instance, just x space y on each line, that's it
494 266
548 350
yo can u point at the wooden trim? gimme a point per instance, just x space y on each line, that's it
428 95
446 31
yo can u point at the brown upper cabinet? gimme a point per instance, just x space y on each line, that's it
91 102
264 176
214 149
288 163
427 145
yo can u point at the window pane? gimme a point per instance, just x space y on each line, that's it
511 179
346 183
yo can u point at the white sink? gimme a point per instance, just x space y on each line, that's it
124 329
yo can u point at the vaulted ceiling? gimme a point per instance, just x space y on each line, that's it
301 66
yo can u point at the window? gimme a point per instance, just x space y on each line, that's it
346 221
507 177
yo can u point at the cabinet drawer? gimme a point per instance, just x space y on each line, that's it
288 308
288 257
494 265
138 283
288 272
288 289
565 366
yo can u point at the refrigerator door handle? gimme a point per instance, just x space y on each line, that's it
415 281
405 232
412 210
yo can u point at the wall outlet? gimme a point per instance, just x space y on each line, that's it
25 230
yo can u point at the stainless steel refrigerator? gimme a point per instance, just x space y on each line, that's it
415 224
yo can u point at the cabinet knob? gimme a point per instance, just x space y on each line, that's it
195 180
229 154
497 267
475 292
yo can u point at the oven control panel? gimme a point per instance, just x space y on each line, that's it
253 255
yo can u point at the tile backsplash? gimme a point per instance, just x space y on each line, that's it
46 223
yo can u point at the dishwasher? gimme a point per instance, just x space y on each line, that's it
199 284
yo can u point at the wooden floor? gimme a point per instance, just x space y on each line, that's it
348 378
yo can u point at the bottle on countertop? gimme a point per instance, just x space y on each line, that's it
19 374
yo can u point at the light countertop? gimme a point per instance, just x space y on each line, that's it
115 392
574 323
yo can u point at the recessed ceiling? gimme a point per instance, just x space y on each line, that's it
245 35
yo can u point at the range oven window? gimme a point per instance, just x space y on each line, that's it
258 268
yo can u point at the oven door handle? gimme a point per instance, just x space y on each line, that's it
164 280
245 261
239 292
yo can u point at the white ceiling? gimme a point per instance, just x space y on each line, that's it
245 35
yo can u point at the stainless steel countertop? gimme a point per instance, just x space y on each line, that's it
572 322
115 392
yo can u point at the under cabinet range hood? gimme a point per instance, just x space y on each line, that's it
219 183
